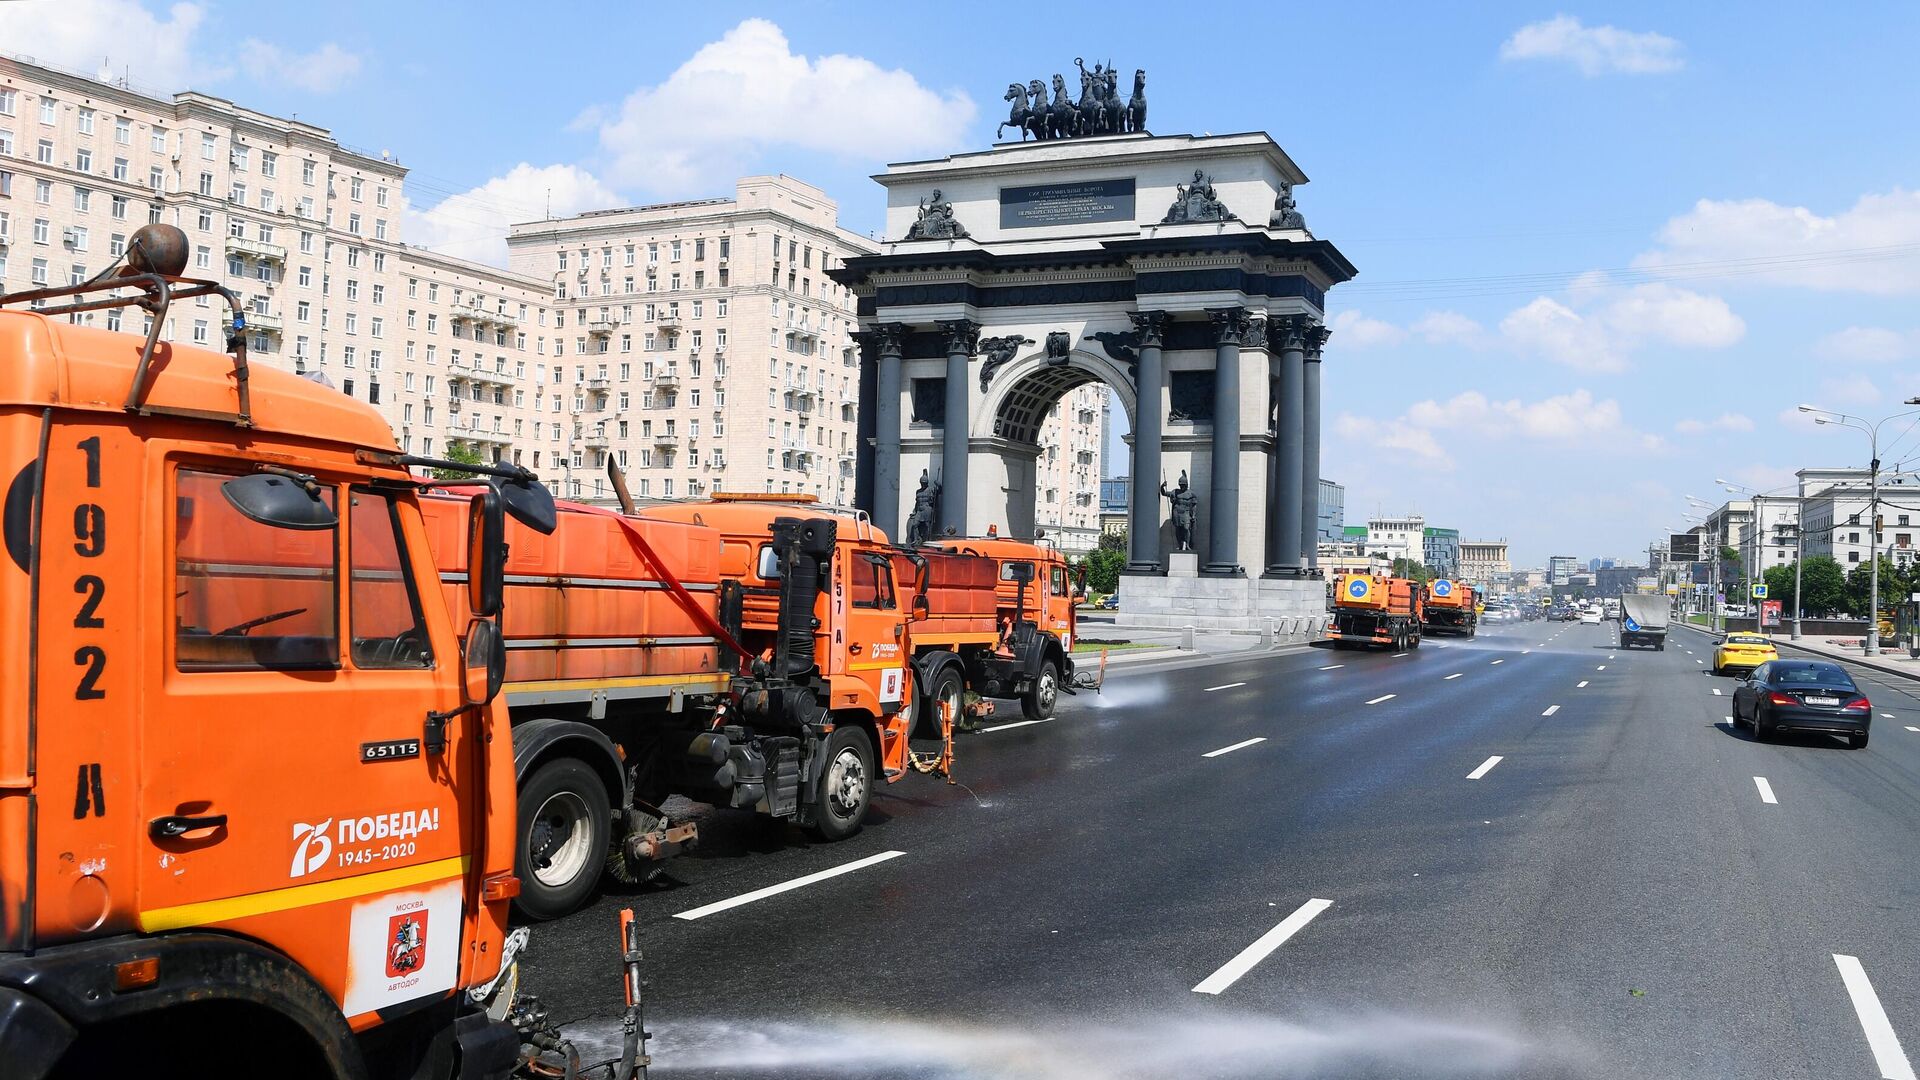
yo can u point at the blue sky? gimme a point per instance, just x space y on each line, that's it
1602 248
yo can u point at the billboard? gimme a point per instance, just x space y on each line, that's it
1683 547
1770 613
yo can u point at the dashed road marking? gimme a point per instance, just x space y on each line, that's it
1241 745
1398 655
787 886
1716 692
1602 667
1455 675
1485 767
1582 686
1910 727
1551 709
1231 971
1498 661
1383 697
1330 667
1231 685
1873 1020
1015 724
1766 790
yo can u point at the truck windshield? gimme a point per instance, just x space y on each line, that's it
249 596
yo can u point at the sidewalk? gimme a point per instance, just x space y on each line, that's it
1892 661
1166 643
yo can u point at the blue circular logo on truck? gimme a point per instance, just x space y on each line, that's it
1357 588
1443 587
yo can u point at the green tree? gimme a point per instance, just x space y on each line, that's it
1104 563
1411 569
1779 581
1860 583
1824 584
463 453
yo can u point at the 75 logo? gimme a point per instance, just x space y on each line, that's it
312 847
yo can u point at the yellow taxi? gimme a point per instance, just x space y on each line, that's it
1742 652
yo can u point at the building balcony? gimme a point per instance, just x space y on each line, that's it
257 249
262 322
599 386
669 324
666 379
455 403
496 438
666 438
602 327
594 441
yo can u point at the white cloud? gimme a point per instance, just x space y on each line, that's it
1865 248
1449 328
1724 422
1398 437
112 39
321 71
749 92
473 224
1595 50
1845 390
1428 428
1355 330
1602 337
1866 344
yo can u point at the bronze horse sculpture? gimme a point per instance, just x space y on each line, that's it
1137 107
1037 121
1017 115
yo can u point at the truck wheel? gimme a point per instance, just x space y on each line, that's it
1037 703
950 688
562 842
845 786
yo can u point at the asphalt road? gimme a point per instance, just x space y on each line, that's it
1529 855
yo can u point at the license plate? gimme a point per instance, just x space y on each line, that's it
1811 700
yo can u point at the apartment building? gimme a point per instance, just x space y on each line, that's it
1484 560
1837 507
305 230
1397 537
1067 480
701 343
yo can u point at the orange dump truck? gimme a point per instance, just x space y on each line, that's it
1376 610
252 803
736 652
1450 607
999 622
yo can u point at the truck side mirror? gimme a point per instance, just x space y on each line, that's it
921 610
483 662
486 553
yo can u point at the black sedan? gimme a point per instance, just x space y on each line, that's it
1803 695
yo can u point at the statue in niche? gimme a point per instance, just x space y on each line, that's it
1197 202
1186 510
999 352
936 221
1059 345
1190 397
926 506
1286 215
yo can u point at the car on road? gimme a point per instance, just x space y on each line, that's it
1590 617
1742 652
1803 695
1110 603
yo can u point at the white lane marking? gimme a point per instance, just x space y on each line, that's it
787 886
1241 745
1766 790
1398 655
1602 667
1582 686
1699 661
1910 727
1551 709
1728 719
1716 691
1231 685
1524 652
1330 667
1873 1019
1497 661
1613 658
1485 768
1015 724
1383 697
1455 675
1689 652
1231 971
1887 715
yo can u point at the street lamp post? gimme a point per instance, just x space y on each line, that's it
1823 416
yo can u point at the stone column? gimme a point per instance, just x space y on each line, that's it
963 336
1316 339
1223 506
863 438
1289 343
1143 517
890 339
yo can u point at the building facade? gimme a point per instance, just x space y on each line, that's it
1837 507
1397 537
1332 518
1484 561
1440 551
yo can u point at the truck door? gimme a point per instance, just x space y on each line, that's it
290 793
877 649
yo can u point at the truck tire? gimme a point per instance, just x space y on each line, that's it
1042 693
845 787
946 683
561 842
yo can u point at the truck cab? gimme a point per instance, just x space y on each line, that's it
244 749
